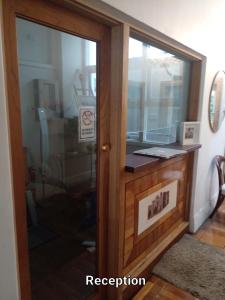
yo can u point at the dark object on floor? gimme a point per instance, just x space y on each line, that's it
220 160
195 267
38 235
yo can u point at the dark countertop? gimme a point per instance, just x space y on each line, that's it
135 163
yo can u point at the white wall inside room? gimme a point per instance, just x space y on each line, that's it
198 25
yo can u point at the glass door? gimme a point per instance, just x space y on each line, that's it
59 112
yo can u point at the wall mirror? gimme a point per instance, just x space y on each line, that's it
217 101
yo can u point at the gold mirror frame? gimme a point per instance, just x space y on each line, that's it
216 106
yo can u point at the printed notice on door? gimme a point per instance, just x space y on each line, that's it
87 123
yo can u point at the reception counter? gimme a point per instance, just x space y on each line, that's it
157 194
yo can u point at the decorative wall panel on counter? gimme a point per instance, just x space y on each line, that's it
147 222
155 203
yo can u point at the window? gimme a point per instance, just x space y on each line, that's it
90 65
158 84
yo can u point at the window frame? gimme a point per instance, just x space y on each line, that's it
197 65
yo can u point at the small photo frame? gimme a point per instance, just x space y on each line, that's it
189 133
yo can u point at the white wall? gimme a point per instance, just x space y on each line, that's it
199 24
8 265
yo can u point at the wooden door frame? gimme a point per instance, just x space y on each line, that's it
57 17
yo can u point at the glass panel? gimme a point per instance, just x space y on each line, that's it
58 104
158 84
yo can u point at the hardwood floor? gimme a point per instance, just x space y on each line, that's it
212 233
159 289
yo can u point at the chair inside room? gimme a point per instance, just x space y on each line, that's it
220 160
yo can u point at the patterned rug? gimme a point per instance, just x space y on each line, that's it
195 267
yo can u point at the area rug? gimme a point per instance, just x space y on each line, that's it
195 267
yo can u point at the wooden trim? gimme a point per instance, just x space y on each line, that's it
128 176
195 90
189 186
103 135
63 20
145 270
152 256
119 81
17 156
90 10
73 22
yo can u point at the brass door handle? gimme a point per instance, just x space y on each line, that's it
105 147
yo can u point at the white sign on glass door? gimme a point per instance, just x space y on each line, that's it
87 123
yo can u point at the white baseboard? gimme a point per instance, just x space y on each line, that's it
202 214
199 218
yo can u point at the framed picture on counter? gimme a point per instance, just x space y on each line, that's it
189 133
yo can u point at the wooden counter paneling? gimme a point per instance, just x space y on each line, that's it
137 246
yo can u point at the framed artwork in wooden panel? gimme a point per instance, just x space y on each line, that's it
165 185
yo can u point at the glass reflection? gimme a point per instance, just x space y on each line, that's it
157 95
58 105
